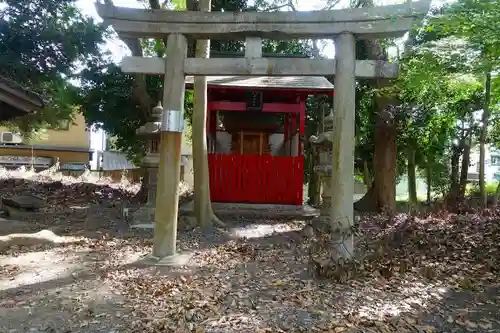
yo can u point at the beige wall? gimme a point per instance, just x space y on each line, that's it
75 137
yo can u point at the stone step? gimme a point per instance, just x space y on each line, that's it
24 202
20 213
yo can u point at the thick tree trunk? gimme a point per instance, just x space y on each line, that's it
482 138
202 204
382 195
412 180
385 163
369 202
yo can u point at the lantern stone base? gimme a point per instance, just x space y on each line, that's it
143 218
321 223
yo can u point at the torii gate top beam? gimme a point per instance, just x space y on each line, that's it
365 23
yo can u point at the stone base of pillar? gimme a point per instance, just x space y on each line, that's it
179 259
320 227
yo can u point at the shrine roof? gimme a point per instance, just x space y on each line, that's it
309 83
15 100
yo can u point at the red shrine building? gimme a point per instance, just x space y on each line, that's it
255 135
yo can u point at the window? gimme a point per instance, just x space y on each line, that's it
154 146
495 160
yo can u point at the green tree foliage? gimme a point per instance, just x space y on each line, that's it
41 44
120 103
478 23
440 87
435 99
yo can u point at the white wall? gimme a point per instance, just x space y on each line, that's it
223 142
490 169
295 145
276 143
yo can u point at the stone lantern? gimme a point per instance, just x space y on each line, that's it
144 216
323 143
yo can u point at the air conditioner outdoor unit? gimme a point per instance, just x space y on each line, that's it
9 137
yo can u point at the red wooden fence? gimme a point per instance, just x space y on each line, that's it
256 179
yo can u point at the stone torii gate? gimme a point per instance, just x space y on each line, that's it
344 26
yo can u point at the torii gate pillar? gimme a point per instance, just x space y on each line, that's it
167 197
342 212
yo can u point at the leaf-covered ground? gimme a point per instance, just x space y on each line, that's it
433 274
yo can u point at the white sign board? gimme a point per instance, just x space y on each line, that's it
73 166
25 160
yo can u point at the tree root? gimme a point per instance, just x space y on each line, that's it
214 218
218 222
211 218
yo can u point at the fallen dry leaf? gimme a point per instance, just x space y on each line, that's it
408 272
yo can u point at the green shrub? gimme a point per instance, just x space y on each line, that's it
473 189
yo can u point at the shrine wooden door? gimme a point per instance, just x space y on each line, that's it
250 143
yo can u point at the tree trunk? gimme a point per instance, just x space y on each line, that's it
482 138
428 177
367 179
452 196
412 180
202 204
314 186
464 172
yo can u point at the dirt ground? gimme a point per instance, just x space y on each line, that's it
251 277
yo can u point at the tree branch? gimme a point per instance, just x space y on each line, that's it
331 4
288 4
155 4
139 89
